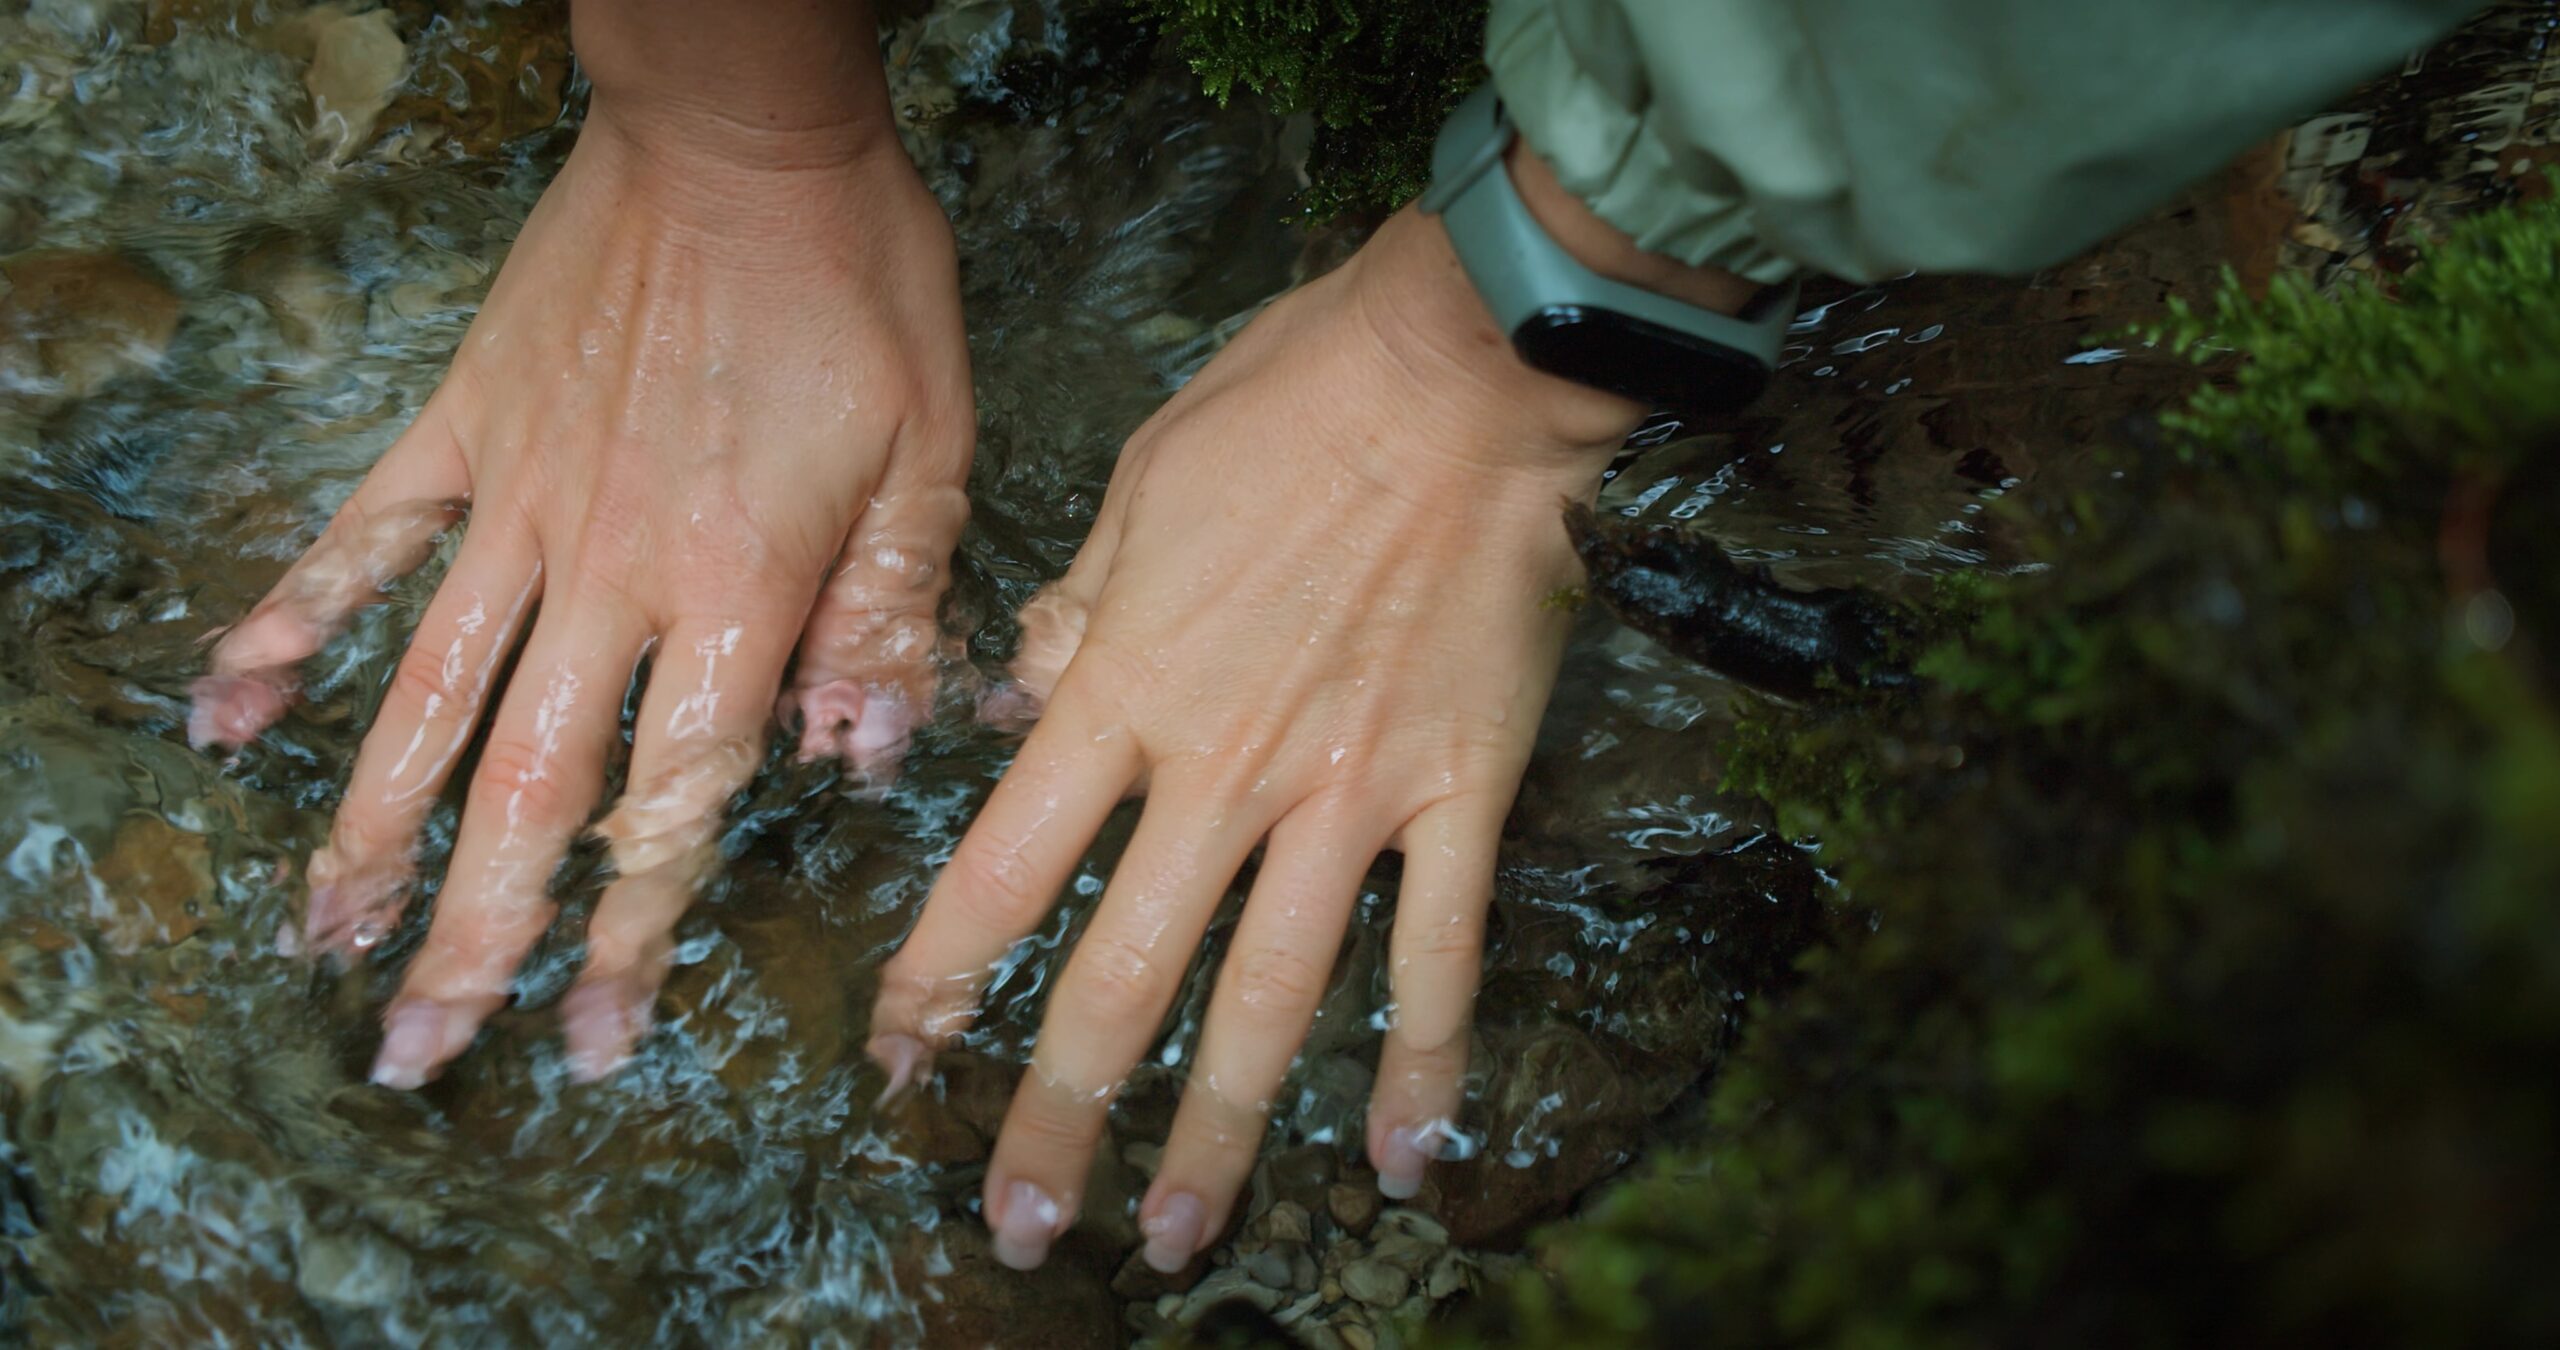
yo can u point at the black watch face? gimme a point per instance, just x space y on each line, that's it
1662 368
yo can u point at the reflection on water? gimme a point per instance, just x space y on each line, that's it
239 238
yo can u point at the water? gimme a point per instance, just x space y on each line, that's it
215 320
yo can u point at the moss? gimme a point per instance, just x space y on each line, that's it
2215 981
1378 76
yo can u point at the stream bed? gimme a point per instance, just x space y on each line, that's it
218 305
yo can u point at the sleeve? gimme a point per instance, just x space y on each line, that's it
1868 138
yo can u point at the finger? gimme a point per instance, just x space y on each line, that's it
428 715
1274 977
868 658
1434 959
1053 623
1104 1011
999 884
381 534
537 781
698 739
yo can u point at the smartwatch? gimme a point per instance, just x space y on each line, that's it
1570 321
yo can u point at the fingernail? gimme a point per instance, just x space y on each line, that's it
1173 1235
899 1055
1400 1162
600 1023
1029 1225
230 710
412 1044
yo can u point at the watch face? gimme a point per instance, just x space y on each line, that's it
1662 368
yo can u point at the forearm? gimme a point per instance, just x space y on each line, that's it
763 83
1864 139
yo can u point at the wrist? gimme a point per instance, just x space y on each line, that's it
760 86
1439 339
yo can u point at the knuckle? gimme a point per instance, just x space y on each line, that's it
1047 1125
1451 939
420 682
1115 981
361 834
992 887
1275 980
519 781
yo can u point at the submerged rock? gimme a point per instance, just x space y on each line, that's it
1739 622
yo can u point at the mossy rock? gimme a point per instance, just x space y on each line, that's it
2214 987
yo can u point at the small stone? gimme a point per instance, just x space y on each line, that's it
357 61
1417 1223
1406 1252
1233 1283
351 1271
1297 1312
1353 1207
1169 1304
1144 1156
1287 1221
1268 1267
1446 1277
1302 1270
1375 1283
1318 1336
1331 1290
1357 1337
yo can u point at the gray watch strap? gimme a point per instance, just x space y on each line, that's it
1519 270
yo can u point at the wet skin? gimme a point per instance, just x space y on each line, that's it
716 406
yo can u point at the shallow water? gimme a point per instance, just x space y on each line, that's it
216 318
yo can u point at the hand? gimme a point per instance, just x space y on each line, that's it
1312 617
717 403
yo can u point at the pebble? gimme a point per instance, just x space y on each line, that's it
1233 1283
1406 1252
1353 1207
1357 1337
1297 1312
1269 1266
1302 1270
1288 1221
1375 1283
1417 1224
1446 1277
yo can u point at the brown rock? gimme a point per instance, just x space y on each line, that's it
1376 1283
1488 1200
156 883
70 323
1286 1221
1140 1282
485 75
1064 1304
1353 1207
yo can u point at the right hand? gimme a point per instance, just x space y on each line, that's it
717 404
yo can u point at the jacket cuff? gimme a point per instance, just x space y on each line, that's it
1604 140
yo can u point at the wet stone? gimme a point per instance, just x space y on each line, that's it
155 884
351 1270
71 323
1353 1207
1376 1283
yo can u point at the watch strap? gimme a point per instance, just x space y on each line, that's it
1525 277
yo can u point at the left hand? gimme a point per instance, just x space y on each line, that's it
1311 618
